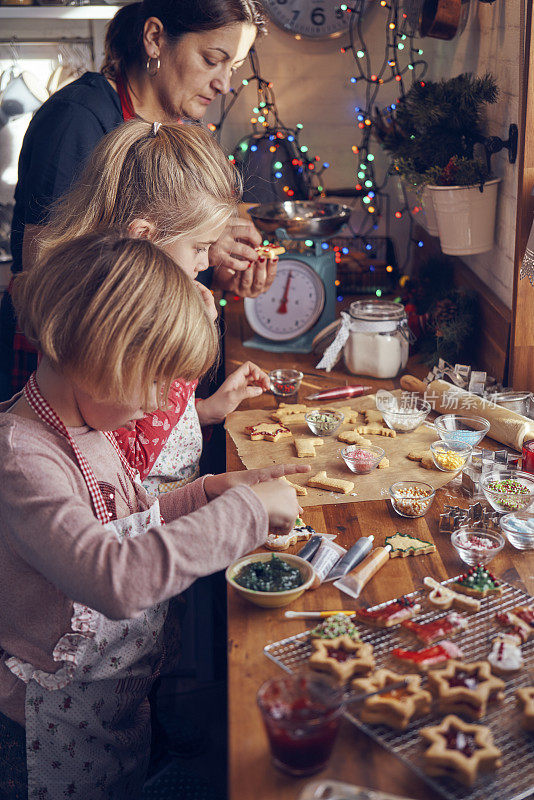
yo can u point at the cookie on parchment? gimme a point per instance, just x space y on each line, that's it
322 481
424 456
306 447
271 432
353 437
375 430
460 750
373 416
300 490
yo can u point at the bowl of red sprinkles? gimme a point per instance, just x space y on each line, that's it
362 459
508 490
477 545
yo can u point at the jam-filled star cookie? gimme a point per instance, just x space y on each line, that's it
342 657
396 708
464 688
271 432
459 750
525 695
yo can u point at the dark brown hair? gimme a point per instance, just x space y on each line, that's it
124 37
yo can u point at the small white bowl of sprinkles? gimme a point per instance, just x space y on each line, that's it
411 498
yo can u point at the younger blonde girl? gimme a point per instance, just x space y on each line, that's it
173 185
86 564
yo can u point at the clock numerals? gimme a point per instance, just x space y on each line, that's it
315 19
317 16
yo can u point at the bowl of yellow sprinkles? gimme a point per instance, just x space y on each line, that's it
449 456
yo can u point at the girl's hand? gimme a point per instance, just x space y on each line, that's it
209 302
215 485
254 280
247 381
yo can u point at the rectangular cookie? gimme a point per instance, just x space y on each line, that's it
322 481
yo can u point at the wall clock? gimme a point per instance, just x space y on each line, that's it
312 19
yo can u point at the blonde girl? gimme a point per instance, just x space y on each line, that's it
86 564
174 185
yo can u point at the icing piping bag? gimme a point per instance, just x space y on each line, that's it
339 393
352 558
354 582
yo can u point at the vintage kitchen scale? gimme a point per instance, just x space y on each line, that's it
302 298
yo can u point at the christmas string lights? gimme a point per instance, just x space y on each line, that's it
401 61
292 157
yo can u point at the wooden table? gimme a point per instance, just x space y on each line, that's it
356 759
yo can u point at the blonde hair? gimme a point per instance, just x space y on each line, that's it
175 176
94 308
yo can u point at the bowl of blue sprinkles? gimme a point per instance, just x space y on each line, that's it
453 429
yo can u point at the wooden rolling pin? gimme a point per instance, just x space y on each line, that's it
506 426
354 582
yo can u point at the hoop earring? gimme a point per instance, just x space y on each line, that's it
153 71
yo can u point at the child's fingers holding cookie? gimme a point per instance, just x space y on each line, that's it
280 502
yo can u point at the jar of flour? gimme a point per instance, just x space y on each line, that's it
378 338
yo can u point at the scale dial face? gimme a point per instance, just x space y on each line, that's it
313 19
291 306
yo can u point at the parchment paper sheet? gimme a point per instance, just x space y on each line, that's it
373 486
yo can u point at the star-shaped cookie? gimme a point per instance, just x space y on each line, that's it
396 708
459 749
465 688
342 657
272 432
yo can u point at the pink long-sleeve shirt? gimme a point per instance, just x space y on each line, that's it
54 551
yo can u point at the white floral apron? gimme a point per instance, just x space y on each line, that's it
178 462
88 724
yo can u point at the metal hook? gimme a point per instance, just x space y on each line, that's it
494 144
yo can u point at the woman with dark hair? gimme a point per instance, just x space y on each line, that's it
165 60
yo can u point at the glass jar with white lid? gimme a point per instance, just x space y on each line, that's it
378 339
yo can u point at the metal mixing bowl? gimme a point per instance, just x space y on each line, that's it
301 219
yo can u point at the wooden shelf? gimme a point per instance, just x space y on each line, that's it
58 12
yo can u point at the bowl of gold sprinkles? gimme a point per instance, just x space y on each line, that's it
450 456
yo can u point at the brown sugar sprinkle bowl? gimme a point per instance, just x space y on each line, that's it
411 498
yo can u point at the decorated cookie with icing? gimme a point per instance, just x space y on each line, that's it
444 597
272 432
402 545
429 657
505 657
477 582
335 626
459 750
300 533
389 614
436 629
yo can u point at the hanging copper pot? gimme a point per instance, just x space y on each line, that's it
440 19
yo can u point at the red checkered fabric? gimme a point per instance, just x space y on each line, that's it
47 414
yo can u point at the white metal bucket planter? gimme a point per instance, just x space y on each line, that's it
430 222
465 217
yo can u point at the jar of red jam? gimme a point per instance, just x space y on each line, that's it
301 713
528 456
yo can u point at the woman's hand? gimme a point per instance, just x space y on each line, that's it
235 248
237 267
250 282
278 497
247 381
209 302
